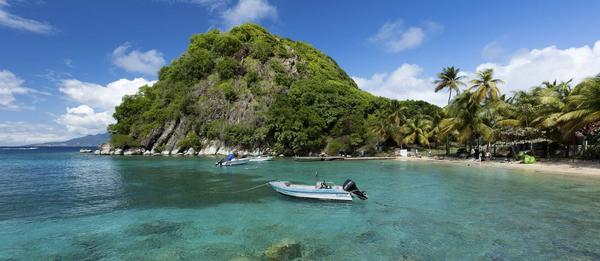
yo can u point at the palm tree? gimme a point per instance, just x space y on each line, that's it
583 106
397 114
449 79
485 86
417 131
466 119
381 131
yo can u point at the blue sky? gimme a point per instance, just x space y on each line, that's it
65 64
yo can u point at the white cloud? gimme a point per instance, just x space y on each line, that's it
396 37
135 61
523 71
21 133
212 5
248 11
97 103
16 22
403 83
98 96
492 51
11 85
84 120
530 68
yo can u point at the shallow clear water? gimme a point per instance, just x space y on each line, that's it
59 204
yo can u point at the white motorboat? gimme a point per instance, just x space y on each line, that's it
232 161
235 162
261 159
85 151
322 190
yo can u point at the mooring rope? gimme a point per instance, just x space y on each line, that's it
252 188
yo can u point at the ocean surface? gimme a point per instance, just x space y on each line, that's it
58 204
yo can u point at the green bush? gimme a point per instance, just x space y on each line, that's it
227 45
252 77
261 50
227 67
123 141
191 140
160 148
228 91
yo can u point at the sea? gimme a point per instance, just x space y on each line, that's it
59 204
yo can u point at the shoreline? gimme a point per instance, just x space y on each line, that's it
557 167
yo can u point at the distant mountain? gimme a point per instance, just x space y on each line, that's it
85 141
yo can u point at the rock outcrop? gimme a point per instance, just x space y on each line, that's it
105 149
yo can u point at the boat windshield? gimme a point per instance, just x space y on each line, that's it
324 185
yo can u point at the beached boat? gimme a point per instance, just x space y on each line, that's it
261 158
322 190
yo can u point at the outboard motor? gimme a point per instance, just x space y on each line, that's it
351 187
220 163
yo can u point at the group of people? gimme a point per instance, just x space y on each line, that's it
479 155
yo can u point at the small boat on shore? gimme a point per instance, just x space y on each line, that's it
232 161
322 190
261 159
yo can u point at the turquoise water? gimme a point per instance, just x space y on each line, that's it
59 204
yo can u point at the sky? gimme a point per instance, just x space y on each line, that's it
64 65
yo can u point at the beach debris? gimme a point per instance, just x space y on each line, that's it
286 249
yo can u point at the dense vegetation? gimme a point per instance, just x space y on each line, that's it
249 89
553 115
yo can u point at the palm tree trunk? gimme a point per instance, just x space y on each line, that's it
448 136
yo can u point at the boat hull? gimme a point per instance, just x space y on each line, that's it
236 162
261 159
310 192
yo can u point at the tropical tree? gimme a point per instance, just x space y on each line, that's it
397 114
486 87
449 79
466 119
583 106
417 131
381 130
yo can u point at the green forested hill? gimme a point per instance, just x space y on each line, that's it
248 89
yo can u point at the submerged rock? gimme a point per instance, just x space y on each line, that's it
155 228
284 250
